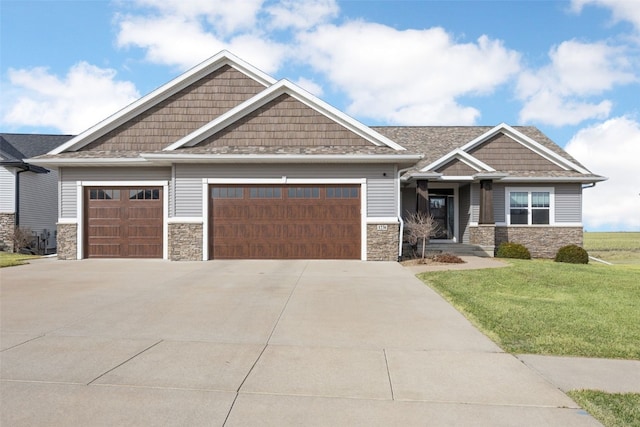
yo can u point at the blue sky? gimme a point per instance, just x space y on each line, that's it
571 68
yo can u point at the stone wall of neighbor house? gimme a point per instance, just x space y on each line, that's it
185 242
67 241
382 242
7 228
542 242
484 235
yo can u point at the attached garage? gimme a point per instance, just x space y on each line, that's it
285 222
123 222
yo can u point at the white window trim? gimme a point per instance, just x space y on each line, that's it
289 181
529 190
80 208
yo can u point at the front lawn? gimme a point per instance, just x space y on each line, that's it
8 259
543 307
611 409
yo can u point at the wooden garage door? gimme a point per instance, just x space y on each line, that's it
123 222
285 222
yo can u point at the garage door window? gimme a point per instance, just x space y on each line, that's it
144 194
303 192
227 193
104 194
265 192
342 193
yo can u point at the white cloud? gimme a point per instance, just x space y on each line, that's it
185 33
310 86
562 92
86 95
622 10
407 77
612 149
302 14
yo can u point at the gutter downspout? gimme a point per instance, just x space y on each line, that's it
400 172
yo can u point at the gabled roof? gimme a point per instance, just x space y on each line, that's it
440 144
280 88
163 92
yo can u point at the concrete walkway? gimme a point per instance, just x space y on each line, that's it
131 342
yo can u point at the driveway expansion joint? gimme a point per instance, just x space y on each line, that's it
120 364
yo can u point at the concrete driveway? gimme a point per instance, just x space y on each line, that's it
146 342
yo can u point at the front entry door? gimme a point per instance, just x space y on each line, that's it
441 209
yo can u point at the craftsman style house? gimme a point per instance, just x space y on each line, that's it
224 162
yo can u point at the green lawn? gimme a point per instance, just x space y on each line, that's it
611 409
9 259
543 307
617 248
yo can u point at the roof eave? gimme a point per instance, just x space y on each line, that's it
170 158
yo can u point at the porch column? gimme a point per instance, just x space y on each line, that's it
486 202
422 193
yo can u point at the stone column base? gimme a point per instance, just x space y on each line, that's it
185 242
382 242
484 236
67 241
7 228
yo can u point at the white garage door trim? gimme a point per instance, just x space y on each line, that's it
80 209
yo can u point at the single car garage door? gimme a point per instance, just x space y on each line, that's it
123 222
285 222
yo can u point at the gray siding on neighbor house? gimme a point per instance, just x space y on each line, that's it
7 190
70 176
381 200
568 208
38 203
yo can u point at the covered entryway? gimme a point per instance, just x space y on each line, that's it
285 222
123 222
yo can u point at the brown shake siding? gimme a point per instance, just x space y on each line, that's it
456 168
284 121
503 154
181 113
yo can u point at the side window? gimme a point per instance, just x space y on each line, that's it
529 206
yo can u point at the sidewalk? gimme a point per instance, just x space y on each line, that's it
575 373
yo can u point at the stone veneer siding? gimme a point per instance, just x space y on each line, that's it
67 241
185 242
485 237
542 242
7 228
382 245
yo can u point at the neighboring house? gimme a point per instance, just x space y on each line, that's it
225 162
28 193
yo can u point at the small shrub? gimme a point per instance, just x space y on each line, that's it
572 254
448 258
22 239
513 250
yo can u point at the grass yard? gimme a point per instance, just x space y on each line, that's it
543 307
611 409
10 259
617 248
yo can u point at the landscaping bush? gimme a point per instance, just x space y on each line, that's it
513 250
572 254
448 258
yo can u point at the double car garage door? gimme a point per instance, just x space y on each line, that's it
245 222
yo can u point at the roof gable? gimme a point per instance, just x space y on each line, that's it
283 87
473 148
153 99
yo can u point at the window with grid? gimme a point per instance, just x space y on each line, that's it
529 206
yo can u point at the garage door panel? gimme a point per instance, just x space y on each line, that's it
302 222
124 222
